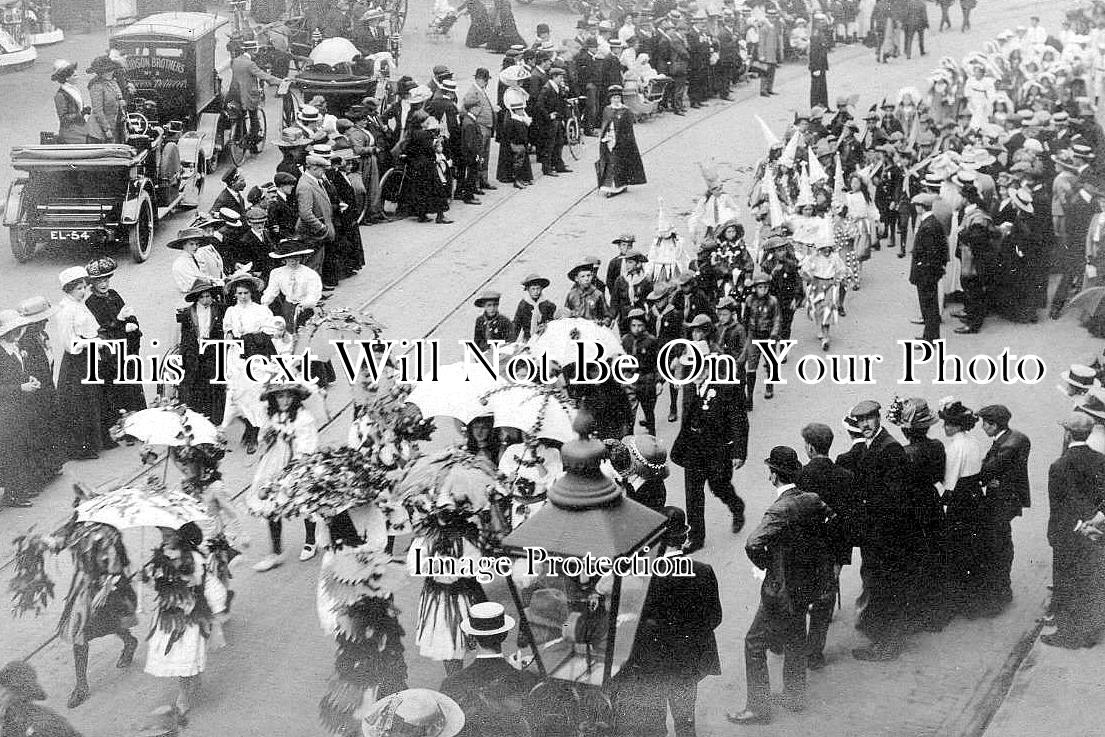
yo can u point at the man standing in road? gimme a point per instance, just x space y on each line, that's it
1076 490
1004 478
819 66
244 76
792 545
712 443
316 213
886 529
930 255
552 105
770 49
835 486
484 114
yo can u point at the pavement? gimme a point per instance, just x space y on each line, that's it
420 282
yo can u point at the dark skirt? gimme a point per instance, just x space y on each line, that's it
506 33
78 406
426 192
479 32
198 392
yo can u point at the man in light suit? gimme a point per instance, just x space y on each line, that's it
484 114
316 212
770 51
1004 477
792 546
244 74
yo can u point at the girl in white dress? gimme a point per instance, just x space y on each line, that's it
245 320
289 433
178 640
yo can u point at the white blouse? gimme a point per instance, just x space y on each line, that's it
963 457
75 322
242 320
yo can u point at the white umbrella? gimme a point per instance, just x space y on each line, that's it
456 393
534 410
137 507
334 51
158 426
562 337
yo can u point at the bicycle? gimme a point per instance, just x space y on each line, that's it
391 186
573 129
241 143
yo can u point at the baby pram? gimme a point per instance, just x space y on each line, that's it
442 21
644 100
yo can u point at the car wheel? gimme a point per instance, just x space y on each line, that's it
140 236
22 247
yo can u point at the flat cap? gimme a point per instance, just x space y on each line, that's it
999 414
865 408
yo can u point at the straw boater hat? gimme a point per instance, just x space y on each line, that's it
1080 376
291 247
292 138
1022 200
309 114
487 618
70 275
230 218
36 308
1093 404
418 712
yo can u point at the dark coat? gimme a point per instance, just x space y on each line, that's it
675 636
916 15
227 200
836 487
645 349
927 459
427 192
71 125
880 483
488 675
496 328
792 544
524 314
283 214
930 253
1075 489
256 251
713 430
621 164
620 303
667 326
1004 474
196 389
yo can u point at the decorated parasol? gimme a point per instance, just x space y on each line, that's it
562 339
456 393
538 411
171 425
150 506
334 51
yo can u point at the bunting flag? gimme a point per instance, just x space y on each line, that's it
817 172
769 135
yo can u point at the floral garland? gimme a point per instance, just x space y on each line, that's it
31 588
369 637
339 319
545 394
178 604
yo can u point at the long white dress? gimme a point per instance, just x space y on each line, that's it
294 438
443 605
188 655
243 395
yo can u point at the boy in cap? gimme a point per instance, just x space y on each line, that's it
763 317
583 299
533 311
731 338
792 546
630 289
642 345
490 325
666 326
624 242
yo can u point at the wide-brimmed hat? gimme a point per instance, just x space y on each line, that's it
625 238
1093 404
188 234
292 137
487 618
102 64
760 277
290 247
63 70
650 459
11 320
1022 200
535 279
1080 376
99 268
634 255
71 274
727 303
299 387
784 461
36 309
419 94
700 321
916 414
417 712
1065 159
659 291
243 276
488 296
581 266
198 288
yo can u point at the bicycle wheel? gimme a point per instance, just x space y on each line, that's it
237 142
391 188
574 136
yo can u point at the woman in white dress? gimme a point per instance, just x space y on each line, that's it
962 499
245 320
178 642
78 402
980 93
289 433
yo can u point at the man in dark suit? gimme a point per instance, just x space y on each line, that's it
674 647
792 545
552 107
835 485
231 197
1076 489
712 443
885 529
471 149
490 686
1004 477
283 210
254 245
930 255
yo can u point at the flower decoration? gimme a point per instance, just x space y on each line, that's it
894 414
453 490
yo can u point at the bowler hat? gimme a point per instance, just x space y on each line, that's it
783 460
